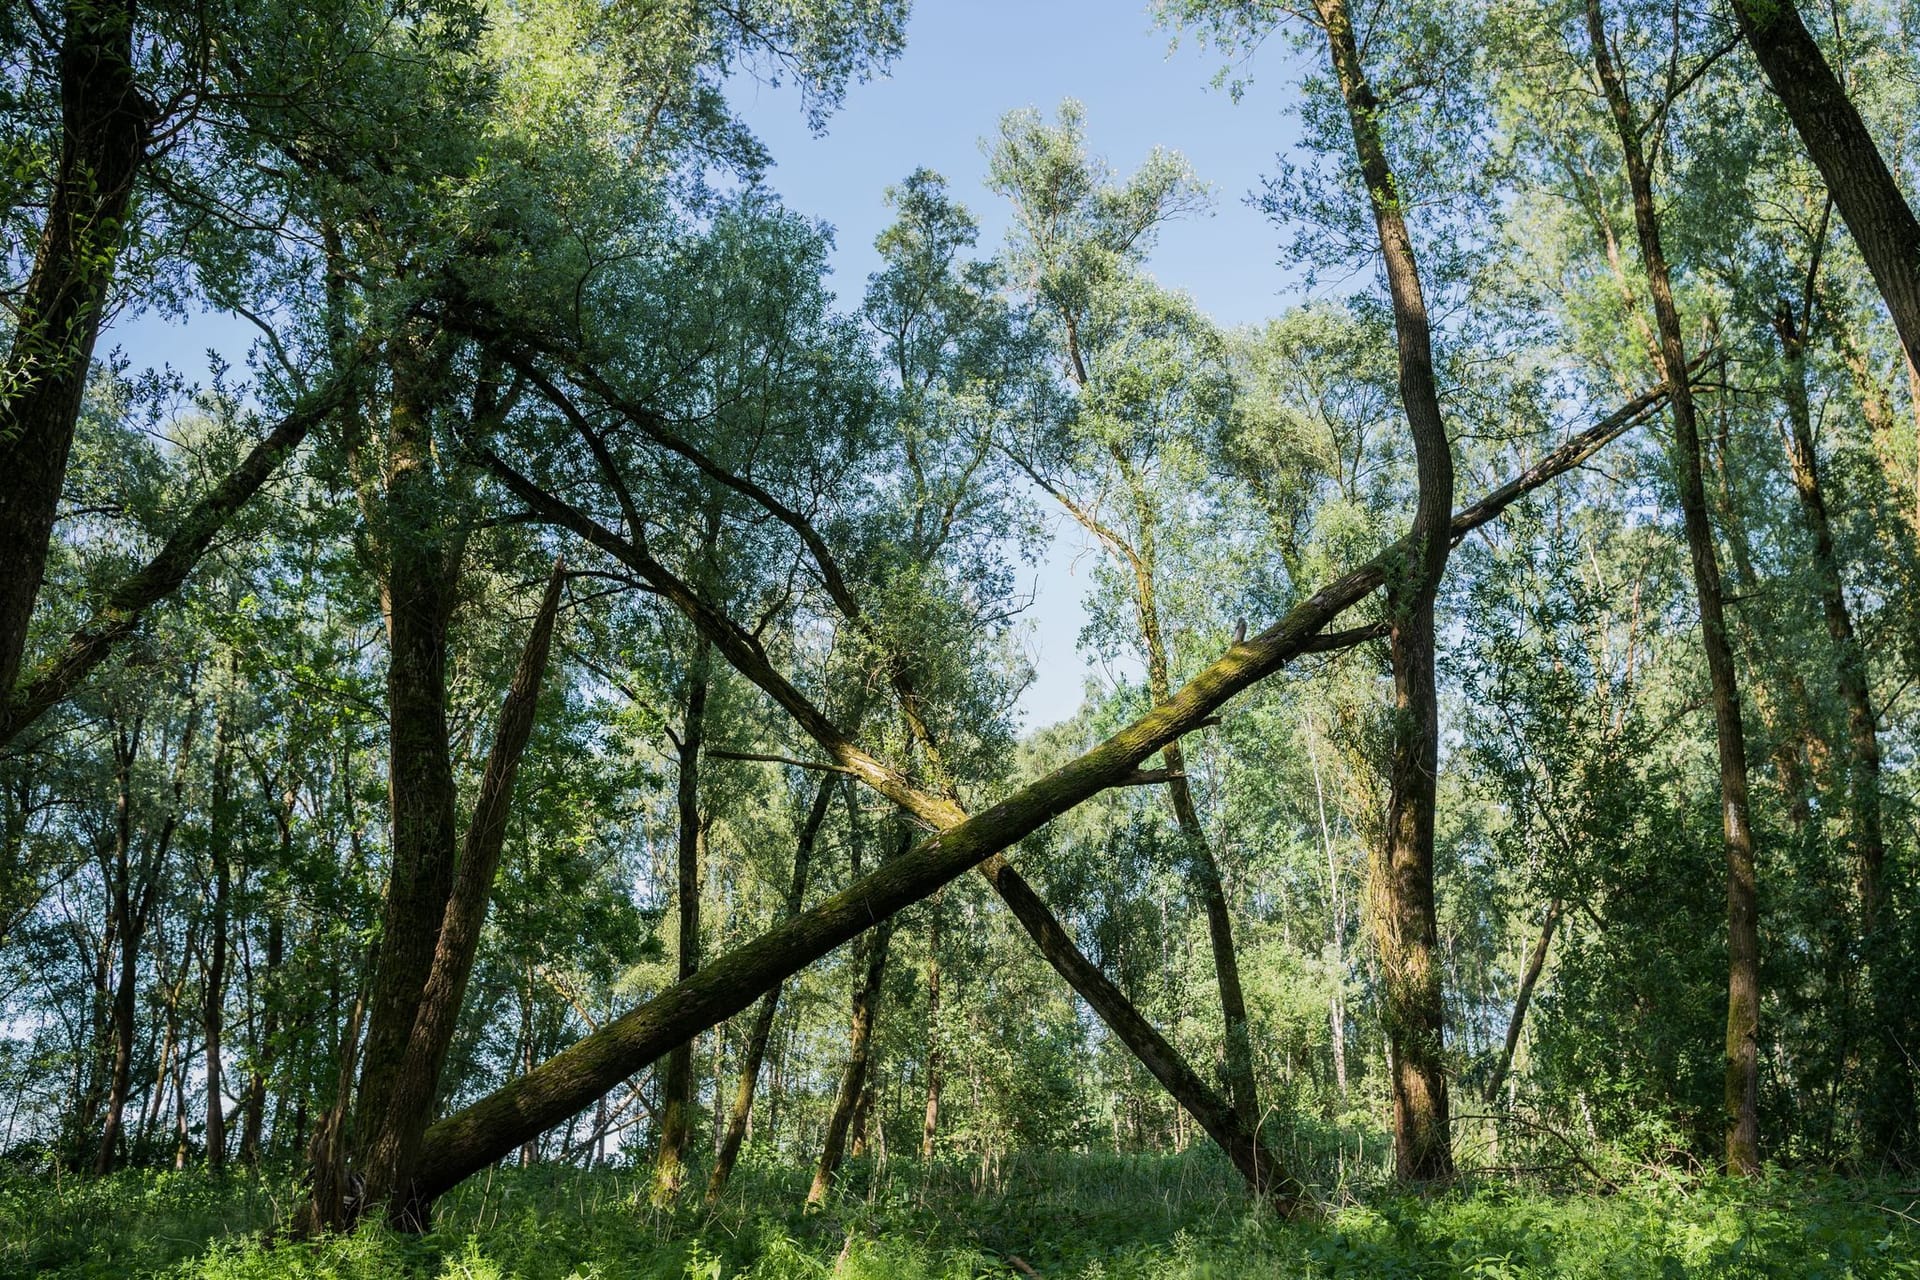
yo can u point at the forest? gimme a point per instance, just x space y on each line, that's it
519 768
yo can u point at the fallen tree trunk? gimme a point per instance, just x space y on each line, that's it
571 1080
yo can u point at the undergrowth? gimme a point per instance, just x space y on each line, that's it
1082 1216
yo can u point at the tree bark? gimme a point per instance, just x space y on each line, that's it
491 1127
853 1078
1204 869
214 998
1206 878
390 1157
757 1040
1850 662
1404 921
676 1100
1743 938
930 1125
133 888
253 1115
103 136
1889 1111
418 587
1836 138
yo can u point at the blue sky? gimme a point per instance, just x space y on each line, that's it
966 63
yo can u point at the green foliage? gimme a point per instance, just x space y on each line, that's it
1090 1217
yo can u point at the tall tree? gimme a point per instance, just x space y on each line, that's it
1407 932
1743 925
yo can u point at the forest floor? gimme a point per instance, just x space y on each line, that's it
1088 1217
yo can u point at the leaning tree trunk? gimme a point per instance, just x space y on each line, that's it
56 319
762 1033
1743 937
1830 127
1404 917
1205 867
1522 999
119 615
1264 1174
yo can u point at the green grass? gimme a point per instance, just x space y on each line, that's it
1088 1217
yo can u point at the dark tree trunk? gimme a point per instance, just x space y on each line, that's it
253 1114
1836 138
1206 879
1743 937
120 613
1408 934
676 1101
418 591
133 887
1141 556
56 320
390 1159
214 998
120 1077
853 1078
756 1050
1216 1115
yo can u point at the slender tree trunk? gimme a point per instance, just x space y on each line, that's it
1863 188
1404 917
214 998
1205 868
130 897
756 1050
1336 932
676 1111
853 1079
253 1115
56 319
1226 961
120 1080
1850 663
1743 938
1536 961
930 1125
